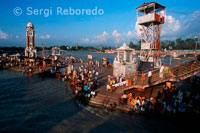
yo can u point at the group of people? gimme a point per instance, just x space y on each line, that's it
170 100
83 79
115 81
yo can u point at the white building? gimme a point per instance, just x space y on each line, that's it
55 52
124 63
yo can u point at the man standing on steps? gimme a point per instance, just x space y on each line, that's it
161 71
149 76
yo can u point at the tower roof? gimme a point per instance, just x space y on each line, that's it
125 47
149 5
30 25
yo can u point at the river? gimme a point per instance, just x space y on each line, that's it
44 104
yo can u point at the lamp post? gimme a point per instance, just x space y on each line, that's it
196 38
170 48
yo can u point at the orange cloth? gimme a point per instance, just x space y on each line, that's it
153 100
143 76
143 98
132 101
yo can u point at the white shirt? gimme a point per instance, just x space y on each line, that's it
149 74
161 68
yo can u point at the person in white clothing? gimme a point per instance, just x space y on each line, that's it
161 71
149 76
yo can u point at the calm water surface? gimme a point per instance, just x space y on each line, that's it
45 105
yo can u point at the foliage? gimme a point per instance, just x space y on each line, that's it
133 46
179 44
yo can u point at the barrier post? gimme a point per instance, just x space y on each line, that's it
142 78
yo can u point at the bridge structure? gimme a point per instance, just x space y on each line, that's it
175 54
50 51
173 73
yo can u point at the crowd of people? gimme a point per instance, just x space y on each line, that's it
115 81
84 80
169 100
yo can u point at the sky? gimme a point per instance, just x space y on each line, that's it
106 22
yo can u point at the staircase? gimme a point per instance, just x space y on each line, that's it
176 73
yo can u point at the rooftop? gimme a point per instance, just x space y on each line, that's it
30 25
149 6
125 47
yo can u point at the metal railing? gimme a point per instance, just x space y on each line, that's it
176 71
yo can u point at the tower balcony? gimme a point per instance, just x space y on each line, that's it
150 18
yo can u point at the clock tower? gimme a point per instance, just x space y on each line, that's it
30 50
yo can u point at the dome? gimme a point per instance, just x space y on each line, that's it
125 47
30 24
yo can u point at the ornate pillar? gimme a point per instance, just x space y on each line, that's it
117 55
124 55
131 57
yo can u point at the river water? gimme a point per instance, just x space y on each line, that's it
43 104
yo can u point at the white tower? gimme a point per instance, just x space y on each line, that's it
30 50
150 16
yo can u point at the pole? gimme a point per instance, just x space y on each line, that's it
170 47
196 38
171 59
196 50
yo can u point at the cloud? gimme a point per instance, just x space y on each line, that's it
102 37
17 36
3 35
190 25
135 34
85 40
45 36
168 30
130 34
92 41
171 26
186 26
117 36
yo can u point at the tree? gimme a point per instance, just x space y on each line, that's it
131 45
165 44
180 43
63 47
190 43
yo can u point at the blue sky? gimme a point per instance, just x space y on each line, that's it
115 26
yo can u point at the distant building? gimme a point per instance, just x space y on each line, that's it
110 51
55 52
30 50
76 45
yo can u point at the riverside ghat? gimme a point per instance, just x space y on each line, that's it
122 87
127 83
